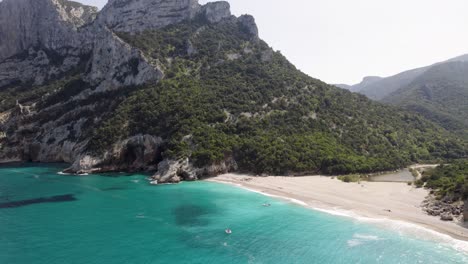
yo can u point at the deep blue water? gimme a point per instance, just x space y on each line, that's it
120 218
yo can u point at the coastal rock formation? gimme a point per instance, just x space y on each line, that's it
446 210
137 153
171 171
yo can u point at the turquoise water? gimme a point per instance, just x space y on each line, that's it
119 218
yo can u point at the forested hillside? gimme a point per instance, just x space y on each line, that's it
187 90
231 95
440 94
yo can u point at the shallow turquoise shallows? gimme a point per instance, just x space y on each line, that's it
120 218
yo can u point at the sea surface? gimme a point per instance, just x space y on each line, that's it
119 218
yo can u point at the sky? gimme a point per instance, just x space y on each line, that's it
342 41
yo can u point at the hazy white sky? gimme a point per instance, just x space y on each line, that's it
341 41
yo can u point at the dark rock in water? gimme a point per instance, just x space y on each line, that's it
52 199
191 215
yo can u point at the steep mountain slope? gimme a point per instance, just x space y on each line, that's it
440 94
192 91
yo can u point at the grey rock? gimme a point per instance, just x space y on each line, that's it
137 16
50 23
446 217
115 64
248 22
171 171
465 211
135 154
35 67
191 50
214 12
267 55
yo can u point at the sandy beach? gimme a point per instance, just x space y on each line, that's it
380 200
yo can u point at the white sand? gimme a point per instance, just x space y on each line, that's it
367 199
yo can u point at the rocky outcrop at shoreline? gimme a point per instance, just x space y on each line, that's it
446 210
171 171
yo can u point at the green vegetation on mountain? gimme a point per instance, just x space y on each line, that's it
225 94
448 182
440 94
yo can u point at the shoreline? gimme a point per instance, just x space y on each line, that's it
376 202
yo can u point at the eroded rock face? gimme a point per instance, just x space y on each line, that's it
141 152
36 66
248 22
114 64
174 171
171 171
42 40
49 23
216 11
137 16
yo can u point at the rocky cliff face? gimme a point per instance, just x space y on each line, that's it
41 40
137 16
52 24
46 44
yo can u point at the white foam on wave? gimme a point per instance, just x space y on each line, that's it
354 242
359 239
64 173
404 229
367 237
296 201
401 227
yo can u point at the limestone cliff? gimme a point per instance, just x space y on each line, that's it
52 24
48 46
137 16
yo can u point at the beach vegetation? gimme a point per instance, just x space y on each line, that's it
447 181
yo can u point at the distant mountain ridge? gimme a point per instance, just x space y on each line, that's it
378 88
439 92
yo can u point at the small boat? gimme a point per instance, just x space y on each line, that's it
266 204
228 231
